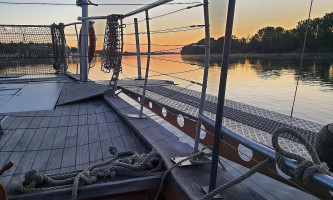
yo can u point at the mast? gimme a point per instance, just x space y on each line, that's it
84 41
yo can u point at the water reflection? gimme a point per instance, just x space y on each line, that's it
314 71
266 83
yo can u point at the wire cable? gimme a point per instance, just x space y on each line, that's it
302 56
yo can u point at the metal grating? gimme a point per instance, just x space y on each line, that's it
252 122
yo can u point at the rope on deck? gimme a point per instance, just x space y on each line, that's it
304 171
127 163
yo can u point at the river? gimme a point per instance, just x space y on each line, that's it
263 82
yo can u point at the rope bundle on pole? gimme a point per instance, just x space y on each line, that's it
306 168
127 163
304 171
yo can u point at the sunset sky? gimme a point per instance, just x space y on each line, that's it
250 16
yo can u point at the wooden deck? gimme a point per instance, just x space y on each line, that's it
67 138
185 182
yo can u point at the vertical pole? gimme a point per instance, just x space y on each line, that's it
78 51
138 53
221 95
147 67
84 43
205 76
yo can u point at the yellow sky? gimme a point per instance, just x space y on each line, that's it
250 15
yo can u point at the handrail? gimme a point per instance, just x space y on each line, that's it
320 179
134 12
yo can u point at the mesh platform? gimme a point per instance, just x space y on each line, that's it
254 123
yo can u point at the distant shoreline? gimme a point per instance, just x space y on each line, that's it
271 55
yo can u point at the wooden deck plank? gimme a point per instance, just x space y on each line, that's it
11 186
105 145
119 143
100 117
26 162
92 119
15 157
64 121
93 133
109 117
113 129
66 110
95 151
37 139
49 113
83 135
35 122
91 108
83 120
55 159
99 107
55 121
183 177
129 142
41 160
12 142
75 109
69 156
71 137
4 138
82 155
58 111
103 131
16 123
83 109
3 157
5 124
26 122
25 140
45 122
123 128
40 113
73 120
48 138
31 113
60 138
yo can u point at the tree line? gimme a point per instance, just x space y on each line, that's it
277 39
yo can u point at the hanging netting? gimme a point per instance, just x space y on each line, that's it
112 47
31 49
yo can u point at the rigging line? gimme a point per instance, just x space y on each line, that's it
102 4
180 72
166 50
169 13
161 44
182 28
175 61
302 56
183 79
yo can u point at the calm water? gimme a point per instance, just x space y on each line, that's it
265 83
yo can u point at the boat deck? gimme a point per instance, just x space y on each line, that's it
66 138
71 136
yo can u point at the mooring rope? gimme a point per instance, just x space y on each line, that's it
304 171
127 163
306 168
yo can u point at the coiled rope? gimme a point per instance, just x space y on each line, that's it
304 171
306 168
127 163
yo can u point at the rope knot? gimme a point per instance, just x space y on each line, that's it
306 168
33 178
